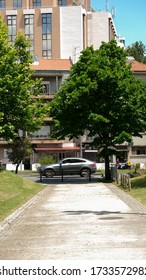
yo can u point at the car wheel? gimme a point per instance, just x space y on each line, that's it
85 172
49 173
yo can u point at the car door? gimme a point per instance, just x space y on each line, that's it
65 166
75 166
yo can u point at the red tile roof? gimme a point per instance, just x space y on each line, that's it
65 64
138 67
52 64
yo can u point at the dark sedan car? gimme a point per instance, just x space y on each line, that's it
68 166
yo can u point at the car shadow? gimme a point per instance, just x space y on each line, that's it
73 179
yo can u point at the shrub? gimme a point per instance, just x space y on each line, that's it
139 182
137 166
46 160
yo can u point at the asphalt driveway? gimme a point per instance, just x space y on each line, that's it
76 221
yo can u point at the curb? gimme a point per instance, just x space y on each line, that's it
20 211
127 199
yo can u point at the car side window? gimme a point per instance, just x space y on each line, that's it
66 161
74 160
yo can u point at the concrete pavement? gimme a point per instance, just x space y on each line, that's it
76 221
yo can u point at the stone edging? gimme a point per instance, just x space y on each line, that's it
129 200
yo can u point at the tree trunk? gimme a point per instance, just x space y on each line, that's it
16 171
107 169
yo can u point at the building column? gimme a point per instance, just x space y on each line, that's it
129 153
57 84
27 4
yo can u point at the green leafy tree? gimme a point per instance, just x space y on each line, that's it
20 150
101 95
137 50
20 107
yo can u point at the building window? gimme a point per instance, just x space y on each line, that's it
89 138
11 23
29 30
47 35
62 2
17 4
141 151
46 88
2 4
36 3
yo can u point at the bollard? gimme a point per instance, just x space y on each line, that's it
89 176
62 175
40 176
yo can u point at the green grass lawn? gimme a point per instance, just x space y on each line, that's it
14 192
138 189
138 185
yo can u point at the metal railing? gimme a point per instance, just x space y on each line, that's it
124 181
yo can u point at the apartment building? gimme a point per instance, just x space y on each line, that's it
58 31
103 22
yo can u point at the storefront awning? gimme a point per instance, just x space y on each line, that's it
61 149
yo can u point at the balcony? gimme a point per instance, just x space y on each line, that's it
49 96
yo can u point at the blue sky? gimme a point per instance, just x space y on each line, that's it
130 19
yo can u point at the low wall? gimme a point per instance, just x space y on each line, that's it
34 166
12 167
100 166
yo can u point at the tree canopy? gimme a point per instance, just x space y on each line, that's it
137 50
20 107
21 149
101 95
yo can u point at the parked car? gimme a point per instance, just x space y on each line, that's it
68 166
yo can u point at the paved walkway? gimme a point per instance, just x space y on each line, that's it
76 221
